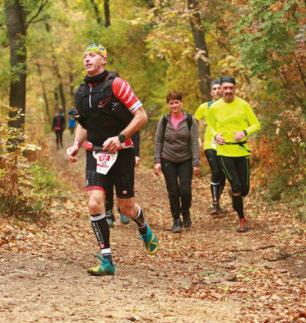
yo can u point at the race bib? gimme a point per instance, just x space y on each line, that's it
105 161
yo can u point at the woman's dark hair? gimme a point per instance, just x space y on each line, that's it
214 82
174 95
227 79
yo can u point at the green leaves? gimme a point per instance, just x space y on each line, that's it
266 34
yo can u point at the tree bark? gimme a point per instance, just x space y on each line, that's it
16 26
150 3
58 75
96 10
44 93
107 13
201 48
56 99
71 88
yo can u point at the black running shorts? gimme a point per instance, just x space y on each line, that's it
121 175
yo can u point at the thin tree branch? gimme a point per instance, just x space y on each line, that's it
300 69
39 10
285 82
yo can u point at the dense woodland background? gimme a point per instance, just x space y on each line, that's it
157 45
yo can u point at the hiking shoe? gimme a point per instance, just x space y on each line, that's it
187 221
110 218
103 269
124 219
243 227
215 209
177 226
150 240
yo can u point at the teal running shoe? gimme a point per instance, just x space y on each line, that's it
102 269
124 219
110 218
150 241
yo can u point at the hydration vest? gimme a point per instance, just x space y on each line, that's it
99 111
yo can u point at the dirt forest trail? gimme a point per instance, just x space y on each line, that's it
206 274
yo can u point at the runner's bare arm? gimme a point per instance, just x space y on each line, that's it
112 144
80 136
139 120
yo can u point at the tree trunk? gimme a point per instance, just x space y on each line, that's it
201 48
58 75
16 26
150 3
71 88
96 10
61 91
44 93
107 13
56 100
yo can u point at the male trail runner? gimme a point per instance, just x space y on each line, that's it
217 177
232 121
108 114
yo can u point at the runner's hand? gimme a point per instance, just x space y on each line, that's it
72 153
111 144
239 135
219 139
137 161
196 170
157 169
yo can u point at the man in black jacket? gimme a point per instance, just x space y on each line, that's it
108 114
58 126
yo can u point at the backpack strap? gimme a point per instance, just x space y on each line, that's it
189 121
164 124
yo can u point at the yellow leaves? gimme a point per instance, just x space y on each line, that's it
277 6
31 147
70 205
137 22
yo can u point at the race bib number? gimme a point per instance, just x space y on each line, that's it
105 161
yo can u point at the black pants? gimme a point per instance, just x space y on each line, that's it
178 177
217 175
109 197
237 171
59 138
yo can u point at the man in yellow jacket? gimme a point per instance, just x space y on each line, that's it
232 121
217 181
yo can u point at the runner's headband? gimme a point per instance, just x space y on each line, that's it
96 48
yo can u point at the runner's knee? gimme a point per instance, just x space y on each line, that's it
185 188
95 205
127 208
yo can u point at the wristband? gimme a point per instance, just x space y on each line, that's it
245 132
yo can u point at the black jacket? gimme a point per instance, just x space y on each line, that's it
98 110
